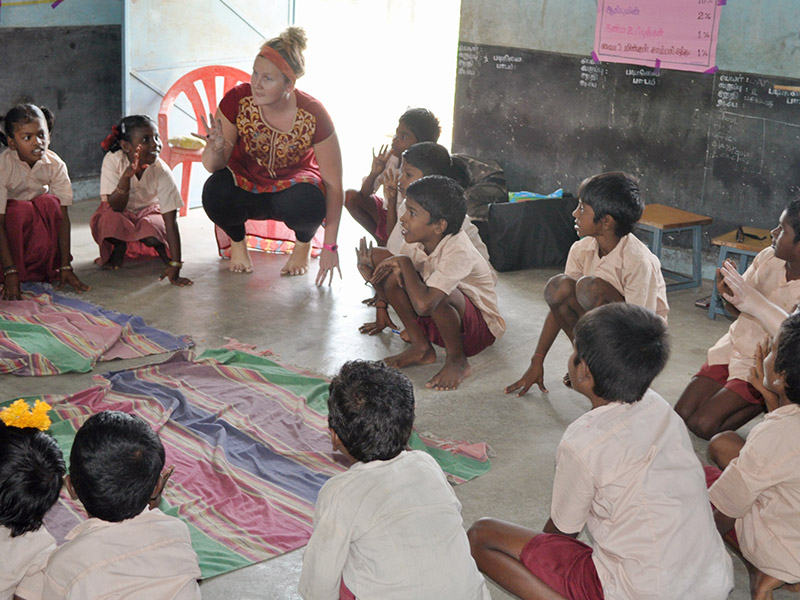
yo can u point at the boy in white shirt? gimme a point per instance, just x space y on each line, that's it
627 471
390 527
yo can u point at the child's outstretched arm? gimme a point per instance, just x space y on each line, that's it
11 289
173 269
378 165
535 371
749 300
64 248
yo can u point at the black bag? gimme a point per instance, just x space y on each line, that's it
535 233
485 183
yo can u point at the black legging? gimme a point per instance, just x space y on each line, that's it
301 207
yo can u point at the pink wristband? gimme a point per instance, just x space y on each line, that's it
331 247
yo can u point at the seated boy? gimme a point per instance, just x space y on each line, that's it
31 473
609 264
126 549
364 205
390 527
758 493
627 471
440 286
719 398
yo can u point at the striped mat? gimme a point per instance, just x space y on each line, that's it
47 333
250 442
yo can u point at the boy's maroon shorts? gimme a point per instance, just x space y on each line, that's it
475 334
563 564
380 229
344 592
719 373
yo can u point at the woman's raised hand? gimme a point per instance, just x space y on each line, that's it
214 136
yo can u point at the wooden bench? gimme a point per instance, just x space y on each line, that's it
659 219
746 250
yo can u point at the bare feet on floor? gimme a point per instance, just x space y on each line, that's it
240 258
450 377
117 256
299 260
416 355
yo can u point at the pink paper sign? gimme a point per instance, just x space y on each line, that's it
679 34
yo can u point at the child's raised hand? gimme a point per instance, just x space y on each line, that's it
68 277
379 161
364 259
756 378
11 289
214 136
155 499
391 177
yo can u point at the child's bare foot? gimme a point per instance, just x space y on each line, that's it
240 258
452 374
416 355
299 260
114 261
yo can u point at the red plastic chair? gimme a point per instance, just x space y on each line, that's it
207 76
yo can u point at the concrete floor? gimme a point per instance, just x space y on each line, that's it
317 328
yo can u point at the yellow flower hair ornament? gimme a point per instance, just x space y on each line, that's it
19 414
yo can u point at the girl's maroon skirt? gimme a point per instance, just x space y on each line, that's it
32 233
129 227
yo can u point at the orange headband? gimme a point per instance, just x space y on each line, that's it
275 58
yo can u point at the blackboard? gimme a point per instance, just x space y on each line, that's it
76 72
726 145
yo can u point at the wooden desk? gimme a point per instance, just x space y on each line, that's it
659 219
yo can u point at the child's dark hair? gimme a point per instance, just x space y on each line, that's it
786 354
434 159
21 114
615 194
625 346
115 464
124 131
443 198
422 123
793 216
371 409
31 473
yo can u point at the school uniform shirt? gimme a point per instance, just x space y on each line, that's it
391 529
22 566
761 490
148 556
629 473
737 348
20 181
155 187
456 264
630 267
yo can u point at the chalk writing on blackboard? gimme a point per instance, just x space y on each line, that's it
738 139
681 34
592 75
642 76
468 59
506 62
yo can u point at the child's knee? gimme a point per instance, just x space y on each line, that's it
559 290
703 424
592 292
721 446
479 534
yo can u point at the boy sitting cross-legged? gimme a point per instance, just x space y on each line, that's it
390 527
439 285
609 264
126 549
627 471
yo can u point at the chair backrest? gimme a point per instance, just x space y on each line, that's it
207 76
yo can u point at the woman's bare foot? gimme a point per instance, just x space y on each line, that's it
452 374
299 260
240 258
114 261
416 355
